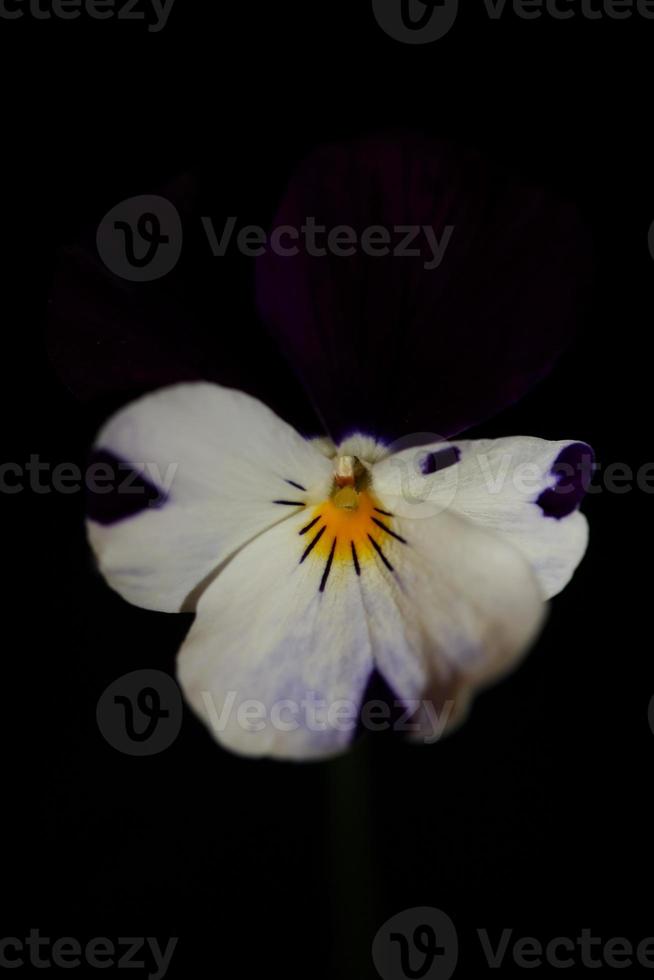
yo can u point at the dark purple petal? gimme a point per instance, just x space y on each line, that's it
109 335
381 709
115 490
388 346
111 339
573 470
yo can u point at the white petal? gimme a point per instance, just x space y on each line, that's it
229 458
497 484
457 610
268 643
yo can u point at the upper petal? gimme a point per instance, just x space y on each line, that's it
437 337
226 468
112 338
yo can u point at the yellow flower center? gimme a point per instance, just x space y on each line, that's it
350 528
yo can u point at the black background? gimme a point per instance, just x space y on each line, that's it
536 815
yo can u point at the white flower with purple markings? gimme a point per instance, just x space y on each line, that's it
317 563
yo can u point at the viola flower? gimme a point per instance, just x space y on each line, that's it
312 563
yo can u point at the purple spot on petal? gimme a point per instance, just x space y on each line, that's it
573 471
440 460
115 490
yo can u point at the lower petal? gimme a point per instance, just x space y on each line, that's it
457 610
279 656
